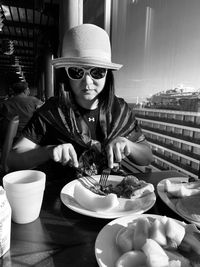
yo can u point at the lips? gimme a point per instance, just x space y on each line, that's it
88 89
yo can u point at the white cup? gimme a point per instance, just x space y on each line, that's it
25 190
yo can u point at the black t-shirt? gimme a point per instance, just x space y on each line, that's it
91 117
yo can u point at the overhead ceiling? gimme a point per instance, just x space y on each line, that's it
32 27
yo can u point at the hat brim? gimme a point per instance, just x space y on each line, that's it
63 62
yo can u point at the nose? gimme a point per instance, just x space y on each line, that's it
88 78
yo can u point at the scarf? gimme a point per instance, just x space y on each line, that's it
118 121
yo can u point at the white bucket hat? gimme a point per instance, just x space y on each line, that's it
86 45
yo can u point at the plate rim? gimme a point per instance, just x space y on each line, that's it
102 215
163 196
119 221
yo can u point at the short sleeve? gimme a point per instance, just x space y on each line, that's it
35 129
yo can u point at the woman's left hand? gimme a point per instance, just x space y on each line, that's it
117 150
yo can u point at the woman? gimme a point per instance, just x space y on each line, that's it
86 126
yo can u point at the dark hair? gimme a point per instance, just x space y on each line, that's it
106 96
19 87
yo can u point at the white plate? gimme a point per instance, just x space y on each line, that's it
125 207
171 202
106 250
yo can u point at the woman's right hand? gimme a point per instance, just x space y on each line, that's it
64 154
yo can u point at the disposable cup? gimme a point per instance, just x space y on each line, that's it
25 191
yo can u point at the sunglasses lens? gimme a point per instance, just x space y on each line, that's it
98 73
75 73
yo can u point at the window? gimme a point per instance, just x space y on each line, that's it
187 133
157 41
189 118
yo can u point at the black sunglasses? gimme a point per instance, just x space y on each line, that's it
77 73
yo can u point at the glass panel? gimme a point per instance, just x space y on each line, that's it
93 12
158 44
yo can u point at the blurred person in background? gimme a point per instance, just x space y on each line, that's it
21 104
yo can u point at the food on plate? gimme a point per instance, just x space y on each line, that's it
182 189
124 238
151 255
174 231
158 231
141 233
92 201
92 197
192 243
156 256
189 207
130 187
163 241
177 260
132 259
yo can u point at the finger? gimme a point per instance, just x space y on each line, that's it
65 155
127 150
69 155
56 154
123 155
116 166
110 156
70 163
117 152
73 157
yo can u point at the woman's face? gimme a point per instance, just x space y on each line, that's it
87 89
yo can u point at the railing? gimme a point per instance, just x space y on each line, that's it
179 137
168 162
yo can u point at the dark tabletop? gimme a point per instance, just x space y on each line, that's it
62 237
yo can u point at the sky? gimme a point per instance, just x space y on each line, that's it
158 43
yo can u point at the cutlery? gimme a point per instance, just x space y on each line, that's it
104 177
89 182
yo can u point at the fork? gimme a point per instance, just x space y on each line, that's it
104 177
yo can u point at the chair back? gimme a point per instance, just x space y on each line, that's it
11 131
